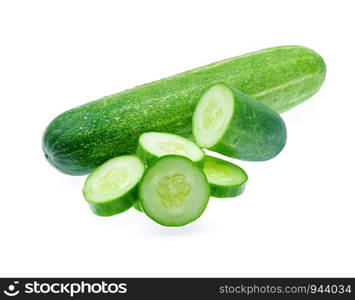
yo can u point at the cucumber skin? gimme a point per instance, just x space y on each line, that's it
111 208
222 191
255 132
148 158
219 191
141 200
81 139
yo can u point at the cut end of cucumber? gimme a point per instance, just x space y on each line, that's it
174 191
113 179
212 115
157 144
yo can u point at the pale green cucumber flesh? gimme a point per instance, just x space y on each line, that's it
231 123
173 191
226 179
81 139
112 188
152 145
213 115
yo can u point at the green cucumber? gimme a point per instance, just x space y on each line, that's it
81 139
152 145
231 123
112 188
174 191
226 179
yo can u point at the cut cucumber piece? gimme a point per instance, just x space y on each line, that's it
174 191
112 188
152 145
226 179
231 123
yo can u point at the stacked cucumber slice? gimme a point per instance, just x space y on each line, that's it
152 145
226 179
171 179
174 190
112 187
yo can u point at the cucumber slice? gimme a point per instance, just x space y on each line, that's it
112 188
226 179
231 123
152 145
174 191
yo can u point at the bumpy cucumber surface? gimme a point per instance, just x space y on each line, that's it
81 139
152 145
231 123
112 188
174 191
226 179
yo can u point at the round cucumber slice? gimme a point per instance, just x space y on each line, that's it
226 179
231 123
213 115
174 191
152 145
112 188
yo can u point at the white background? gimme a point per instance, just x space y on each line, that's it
296 217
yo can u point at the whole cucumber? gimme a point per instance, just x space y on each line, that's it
81 139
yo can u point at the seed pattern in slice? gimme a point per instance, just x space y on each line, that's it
174 191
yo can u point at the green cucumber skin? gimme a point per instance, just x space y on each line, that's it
81 139
112 208
148 158
255 132
115 206
223 191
